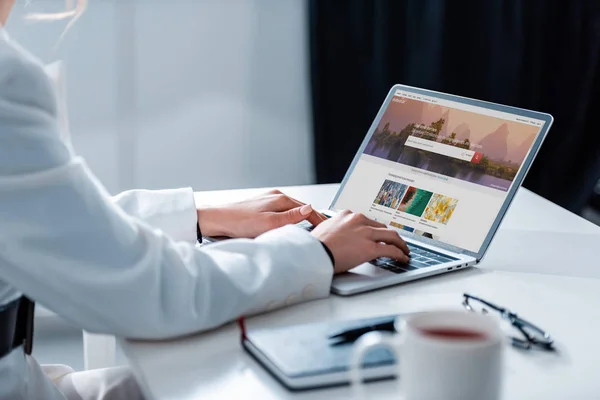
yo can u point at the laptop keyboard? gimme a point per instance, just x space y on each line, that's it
419 257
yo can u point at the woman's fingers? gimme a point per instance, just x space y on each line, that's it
291 216
362 219
285 203
390 237
390 251
281 202
316 218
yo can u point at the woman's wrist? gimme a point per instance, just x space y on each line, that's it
329 253
208 222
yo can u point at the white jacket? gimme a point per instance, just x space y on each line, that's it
126 266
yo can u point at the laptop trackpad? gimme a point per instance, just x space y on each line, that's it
362 272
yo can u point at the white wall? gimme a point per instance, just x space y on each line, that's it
204 93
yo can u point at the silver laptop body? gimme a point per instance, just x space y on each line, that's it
442 170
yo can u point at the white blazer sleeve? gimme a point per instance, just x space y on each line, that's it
65 243
172 211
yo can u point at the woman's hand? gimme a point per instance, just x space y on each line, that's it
354 239
253 217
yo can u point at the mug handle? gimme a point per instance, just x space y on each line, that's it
365 344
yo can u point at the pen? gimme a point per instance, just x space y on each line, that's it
353 334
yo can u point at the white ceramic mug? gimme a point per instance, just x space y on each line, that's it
448 355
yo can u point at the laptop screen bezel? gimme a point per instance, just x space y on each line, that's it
517 181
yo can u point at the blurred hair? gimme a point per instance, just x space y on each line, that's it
74 9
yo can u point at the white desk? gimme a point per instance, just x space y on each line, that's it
564 302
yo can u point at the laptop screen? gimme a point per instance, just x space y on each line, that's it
439 168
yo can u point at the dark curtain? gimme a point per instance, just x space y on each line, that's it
537 54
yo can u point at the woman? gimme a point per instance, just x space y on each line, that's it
128 266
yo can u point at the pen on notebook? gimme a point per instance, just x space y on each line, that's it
353 334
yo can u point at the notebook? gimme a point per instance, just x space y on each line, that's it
302 357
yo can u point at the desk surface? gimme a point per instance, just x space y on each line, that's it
542 265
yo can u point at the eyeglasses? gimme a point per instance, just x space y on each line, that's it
531 335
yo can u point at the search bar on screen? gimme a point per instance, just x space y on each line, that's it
444 149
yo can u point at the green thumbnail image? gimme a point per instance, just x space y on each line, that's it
415 201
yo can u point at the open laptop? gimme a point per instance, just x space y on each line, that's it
442 170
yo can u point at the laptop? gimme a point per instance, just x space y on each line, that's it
442 170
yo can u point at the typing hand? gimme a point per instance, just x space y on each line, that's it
354 239
253 217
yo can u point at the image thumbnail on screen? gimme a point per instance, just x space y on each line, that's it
440 209
390 194
415 201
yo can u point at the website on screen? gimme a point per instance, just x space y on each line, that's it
439 168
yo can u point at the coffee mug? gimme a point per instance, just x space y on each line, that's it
448 355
